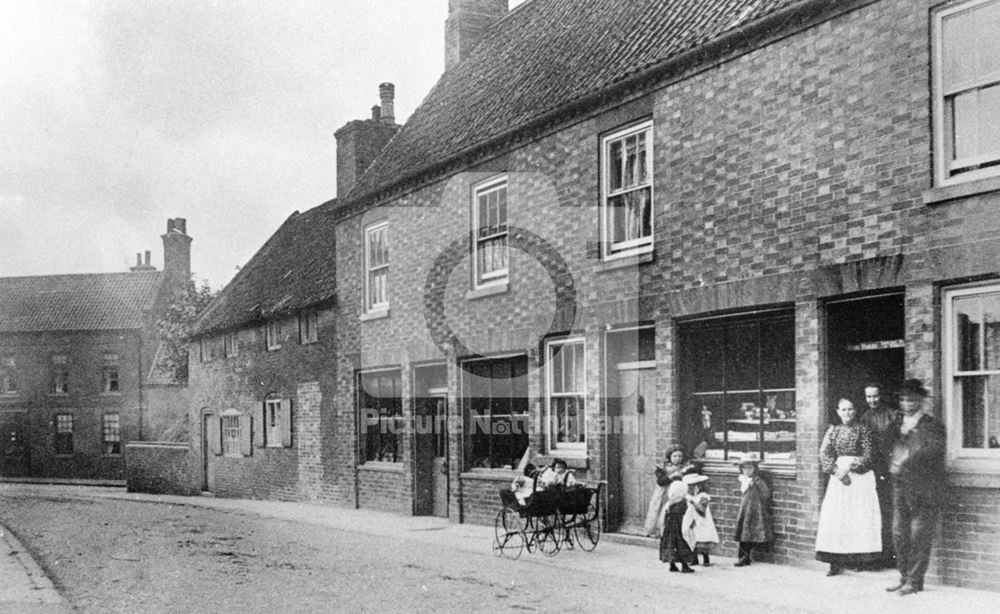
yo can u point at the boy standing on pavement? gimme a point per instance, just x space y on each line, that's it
883 421
917 468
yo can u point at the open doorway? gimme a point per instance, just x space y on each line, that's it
430 410
865 343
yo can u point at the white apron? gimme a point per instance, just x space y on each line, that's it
850 521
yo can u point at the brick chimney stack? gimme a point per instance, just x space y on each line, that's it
466 26
359 141
177 252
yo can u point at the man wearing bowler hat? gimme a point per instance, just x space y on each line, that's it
917 469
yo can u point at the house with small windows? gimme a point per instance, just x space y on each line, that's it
613 227
78 379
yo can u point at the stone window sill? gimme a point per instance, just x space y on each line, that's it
490 290
942 194
368 316
625 262
381 466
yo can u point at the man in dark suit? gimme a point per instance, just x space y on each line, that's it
883 421
917 468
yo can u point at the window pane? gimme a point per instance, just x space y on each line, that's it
631 157
958 48
987 40
557 369
704 356
502 209
967 333
971 394
966 111
741 357
991 331
779 426
777 354
615 166
989 112
641 164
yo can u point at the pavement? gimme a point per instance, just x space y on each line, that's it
761 586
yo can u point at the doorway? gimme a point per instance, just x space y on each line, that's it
209 442
632 417
865 344
430 410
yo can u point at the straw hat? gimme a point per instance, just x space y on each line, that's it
694 478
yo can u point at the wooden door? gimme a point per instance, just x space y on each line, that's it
637 393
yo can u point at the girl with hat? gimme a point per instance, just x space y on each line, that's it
699 527
675 467
753 522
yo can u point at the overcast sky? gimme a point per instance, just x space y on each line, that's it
117 115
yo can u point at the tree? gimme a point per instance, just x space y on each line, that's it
175 326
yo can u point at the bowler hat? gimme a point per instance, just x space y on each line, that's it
912 388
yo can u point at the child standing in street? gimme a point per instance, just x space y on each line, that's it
753 523
699 527
673 548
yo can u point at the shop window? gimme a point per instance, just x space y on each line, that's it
971 343
627 191
111 433
566 384
495 402
738 377
489 215
308 327
376 262
64 434
109 374
967 90
380 408
8 375
60 374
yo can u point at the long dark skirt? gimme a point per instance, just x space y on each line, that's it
673 548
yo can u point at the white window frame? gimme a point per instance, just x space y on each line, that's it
958 456
309 326
552 353
272 335
111 433
381 305
637 245
60 374
8 375
272 423
944 129
111 374
484 189
230 433
70 420
230 345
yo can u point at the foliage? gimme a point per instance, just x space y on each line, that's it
175 326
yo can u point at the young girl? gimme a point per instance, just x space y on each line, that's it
753 522
699 527
674 467
673 548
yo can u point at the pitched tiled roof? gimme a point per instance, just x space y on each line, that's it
293 270
545 55
100 301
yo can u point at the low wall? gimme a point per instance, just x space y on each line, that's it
159 467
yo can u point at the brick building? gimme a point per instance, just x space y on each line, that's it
77 356
616 226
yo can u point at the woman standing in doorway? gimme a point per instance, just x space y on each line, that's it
850 523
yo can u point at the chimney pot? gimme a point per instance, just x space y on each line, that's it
138 259
147 257
376 112
387 94
180 225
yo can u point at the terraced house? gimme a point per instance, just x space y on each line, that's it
78 375
613 226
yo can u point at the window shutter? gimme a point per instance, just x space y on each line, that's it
286 423
260 417
214 435
246 433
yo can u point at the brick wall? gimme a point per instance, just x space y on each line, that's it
160 468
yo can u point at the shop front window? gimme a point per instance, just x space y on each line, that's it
738 377
495 394
381 413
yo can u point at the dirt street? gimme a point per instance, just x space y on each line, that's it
126 556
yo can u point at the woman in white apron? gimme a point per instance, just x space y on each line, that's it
850 524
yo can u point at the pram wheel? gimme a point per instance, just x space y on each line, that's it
508 540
